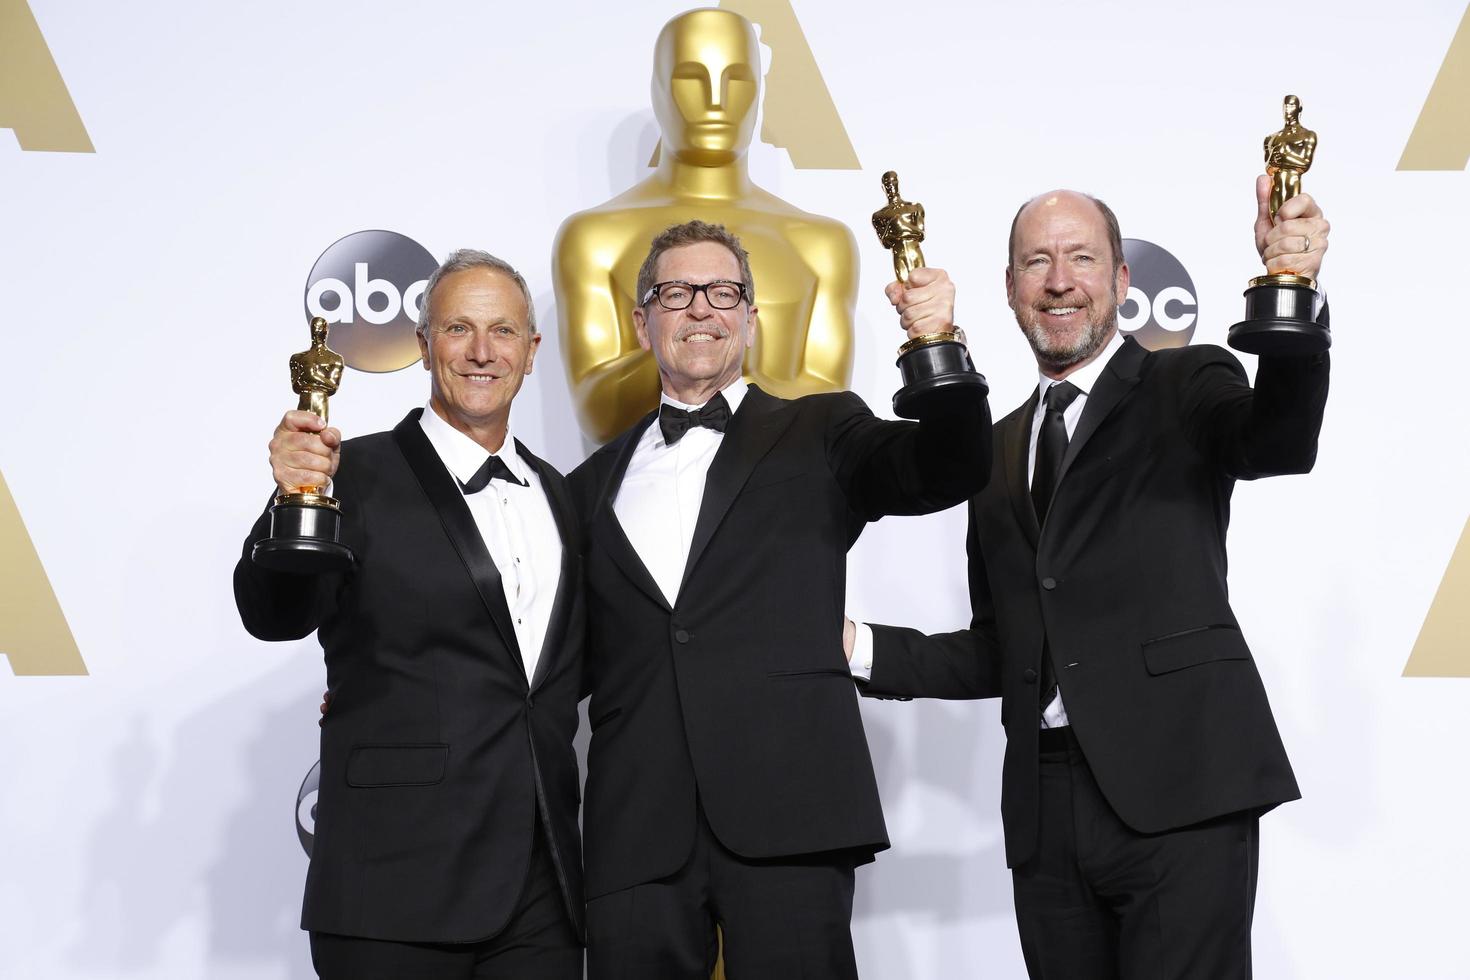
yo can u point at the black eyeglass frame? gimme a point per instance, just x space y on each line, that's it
656 292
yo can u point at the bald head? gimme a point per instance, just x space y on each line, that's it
1060 197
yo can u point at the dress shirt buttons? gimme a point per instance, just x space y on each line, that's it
1028 675
1048 583
682 636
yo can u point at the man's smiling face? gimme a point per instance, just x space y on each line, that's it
699 349
1062 283
479 347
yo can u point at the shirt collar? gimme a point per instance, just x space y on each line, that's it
1086 376
734 394
464 456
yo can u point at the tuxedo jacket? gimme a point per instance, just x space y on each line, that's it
438 755
736 697
1125 585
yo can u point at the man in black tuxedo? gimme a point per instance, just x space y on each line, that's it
1140 747
729 780
446 829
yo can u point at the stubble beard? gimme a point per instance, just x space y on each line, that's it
1058 354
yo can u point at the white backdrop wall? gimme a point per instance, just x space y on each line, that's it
151 292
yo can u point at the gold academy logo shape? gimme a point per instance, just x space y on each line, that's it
1441 137
799 114
33 629
1441 141
34 101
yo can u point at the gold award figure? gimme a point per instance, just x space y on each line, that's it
705 89
1289 153
900 227
934 366
1280 307
316 373
305 525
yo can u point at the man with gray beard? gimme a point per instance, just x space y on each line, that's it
1140 746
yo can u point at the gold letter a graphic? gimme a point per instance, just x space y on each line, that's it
1441 137
33 98
1443 648
33 630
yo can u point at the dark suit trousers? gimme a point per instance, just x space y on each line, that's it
538 943
781 919
1100 901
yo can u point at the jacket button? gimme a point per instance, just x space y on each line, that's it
682 636
1028 675
530 701
1048 584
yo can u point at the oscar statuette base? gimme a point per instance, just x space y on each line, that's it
305 528
1280 319
935 368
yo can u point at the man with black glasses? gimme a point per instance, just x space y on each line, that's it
729 779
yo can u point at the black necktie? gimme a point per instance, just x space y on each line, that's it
493 468
1051 447
675 421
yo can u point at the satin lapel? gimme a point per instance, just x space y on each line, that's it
610 533
566 526
753 430
1017 443
1113 385
439 486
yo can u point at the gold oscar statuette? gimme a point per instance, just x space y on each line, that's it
1280 308
705 91
306 524
934 366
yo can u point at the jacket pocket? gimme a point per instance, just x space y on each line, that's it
420 764
1187 648
811 672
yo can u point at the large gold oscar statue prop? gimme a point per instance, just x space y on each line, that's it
1279 308
706 86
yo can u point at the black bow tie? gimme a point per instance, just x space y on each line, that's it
493 468
675 421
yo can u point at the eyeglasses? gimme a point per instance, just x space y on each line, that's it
720 294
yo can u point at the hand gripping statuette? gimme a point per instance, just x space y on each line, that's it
934 366
306 524
1279 308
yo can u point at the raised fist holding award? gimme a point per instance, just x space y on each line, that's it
305 522
1280 306
934 366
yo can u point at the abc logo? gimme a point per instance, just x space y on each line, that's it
370 287
306 807
1161 309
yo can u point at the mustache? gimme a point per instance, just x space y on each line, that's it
703 327
1068 299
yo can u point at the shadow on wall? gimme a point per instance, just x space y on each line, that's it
946 759
155 860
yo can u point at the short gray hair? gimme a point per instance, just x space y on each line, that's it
472 258
692 233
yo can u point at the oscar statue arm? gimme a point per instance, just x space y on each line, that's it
827 348
614 382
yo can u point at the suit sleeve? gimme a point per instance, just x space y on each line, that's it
960 665
1267 431
279 605
919 467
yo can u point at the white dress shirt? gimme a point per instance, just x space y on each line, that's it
1085 378
658 501
517 527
